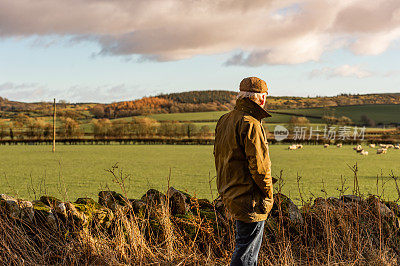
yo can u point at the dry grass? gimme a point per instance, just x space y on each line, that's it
328 231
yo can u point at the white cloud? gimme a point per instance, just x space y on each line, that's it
267 32
391 73
34 92
355 71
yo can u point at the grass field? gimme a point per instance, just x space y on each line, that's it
189 116
276 118
80 170
387 113
379 113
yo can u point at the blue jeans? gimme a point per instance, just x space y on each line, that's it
248 242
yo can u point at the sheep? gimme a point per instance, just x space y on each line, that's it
299 146
397 147
381 151
292 147
326 145
358 148
383 146
389 146
372 145
339 145
363 152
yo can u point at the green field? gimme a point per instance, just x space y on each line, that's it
79 171
379 113
385 113
189 116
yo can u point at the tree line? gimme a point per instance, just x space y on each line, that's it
24 127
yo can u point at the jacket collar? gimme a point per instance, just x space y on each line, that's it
251 108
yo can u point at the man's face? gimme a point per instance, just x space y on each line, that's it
263 101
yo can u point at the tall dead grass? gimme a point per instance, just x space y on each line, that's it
329 231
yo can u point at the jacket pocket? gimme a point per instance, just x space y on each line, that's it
263 204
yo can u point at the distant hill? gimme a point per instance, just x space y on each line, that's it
6 105
202 101
194 101
198 97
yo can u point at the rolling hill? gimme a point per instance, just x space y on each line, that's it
207 106
205 101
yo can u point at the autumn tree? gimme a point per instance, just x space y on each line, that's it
70 128
16 130
299 121
3 129
168 128
98 111
205 131
191 129
143 126
102 128
120 128
345 121
329 120
37 128
30 125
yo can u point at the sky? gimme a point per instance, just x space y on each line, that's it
114 50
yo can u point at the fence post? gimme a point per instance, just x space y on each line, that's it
54 126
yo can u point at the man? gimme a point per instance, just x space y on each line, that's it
244 169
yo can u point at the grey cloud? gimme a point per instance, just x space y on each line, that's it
237 59
266 32
252 59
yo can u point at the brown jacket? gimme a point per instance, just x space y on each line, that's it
242 162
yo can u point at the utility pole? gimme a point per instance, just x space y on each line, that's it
54 126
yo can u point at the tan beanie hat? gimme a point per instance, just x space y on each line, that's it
253 84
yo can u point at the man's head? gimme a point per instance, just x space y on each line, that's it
255 89
253 84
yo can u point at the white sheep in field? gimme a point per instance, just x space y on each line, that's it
358 148
372 145
299 146
292 147
397 147
326 145
363 152
339 145
389 146
383 146
381 151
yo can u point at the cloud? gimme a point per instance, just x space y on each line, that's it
391 73
34 92
9 86
342 71
265 32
